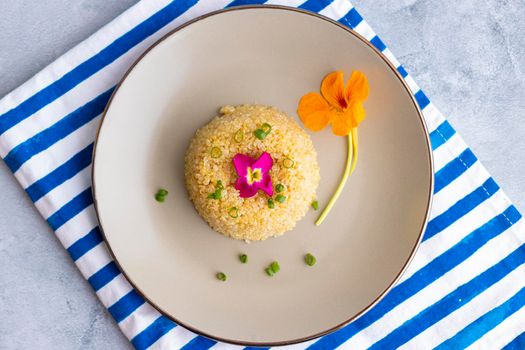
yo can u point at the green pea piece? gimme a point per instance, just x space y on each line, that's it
243 258
272 269
221 276
315 205
279 188
280 198
288 163
275 267
233 212
239 136
260 134
161 194
271 203
309 259
215 152
217 194
266 128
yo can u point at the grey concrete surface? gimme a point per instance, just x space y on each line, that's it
469 57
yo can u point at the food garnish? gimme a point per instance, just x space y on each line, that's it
342 107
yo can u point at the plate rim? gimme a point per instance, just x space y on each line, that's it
423 225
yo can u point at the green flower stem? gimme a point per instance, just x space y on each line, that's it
351 160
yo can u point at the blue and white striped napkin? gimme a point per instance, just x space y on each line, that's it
465 287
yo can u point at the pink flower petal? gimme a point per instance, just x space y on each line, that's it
265 162
266 184
241 162
245 190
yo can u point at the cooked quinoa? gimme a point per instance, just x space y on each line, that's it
209 167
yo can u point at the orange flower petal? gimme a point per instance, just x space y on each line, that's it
344 122
314 111
357 87
333 90
358 113
341 123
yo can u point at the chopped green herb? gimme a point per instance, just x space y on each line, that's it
279 188
275 267
280 198
266 128
215 195
239 136
243 258
161 194
260 134
309 259
233 212
221 276
218 191
271 203
315 205
215 152
263 131
269 271
288 163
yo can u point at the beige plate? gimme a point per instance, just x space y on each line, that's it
273 56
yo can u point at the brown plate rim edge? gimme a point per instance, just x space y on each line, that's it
425 219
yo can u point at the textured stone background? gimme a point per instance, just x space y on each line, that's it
468 56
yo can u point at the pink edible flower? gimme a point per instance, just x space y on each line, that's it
253 174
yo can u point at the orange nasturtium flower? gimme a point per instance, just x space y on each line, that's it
337 105
341 106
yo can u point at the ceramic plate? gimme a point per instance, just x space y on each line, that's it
268 55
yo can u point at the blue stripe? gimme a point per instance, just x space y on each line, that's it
402 71
152 333
423 277
460 208
453 301
103 276
61 174
72 208
453 169
315 5
85 244
422 99
245 2
517 343
441 135
352 18
199 343
46 138
378 43
94 64
126 305
485 323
